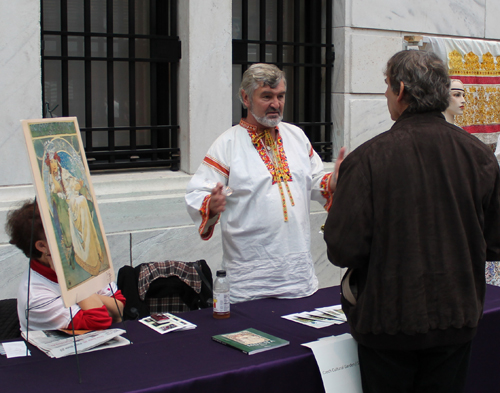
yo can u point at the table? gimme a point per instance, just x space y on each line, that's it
191 362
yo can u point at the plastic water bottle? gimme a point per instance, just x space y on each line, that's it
221 296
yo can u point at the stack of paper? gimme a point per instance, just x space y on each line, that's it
166 323
57 344
320 317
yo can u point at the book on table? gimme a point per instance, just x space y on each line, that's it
250 341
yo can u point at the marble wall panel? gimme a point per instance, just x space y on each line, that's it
120 250
327 273
341 68
11 198
12 265
341 13
492 27
368 55
340 132
359 118
178 244
457 18
181 243
184 244
20 85
205 72
368 118
127 202
143 213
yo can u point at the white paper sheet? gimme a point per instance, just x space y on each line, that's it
16 349
338 363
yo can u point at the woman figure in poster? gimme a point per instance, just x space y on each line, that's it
69 199
46 307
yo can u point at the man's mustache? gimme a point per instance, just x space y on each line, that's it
273 111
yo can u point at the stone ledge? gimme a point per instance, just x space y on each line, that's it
131 201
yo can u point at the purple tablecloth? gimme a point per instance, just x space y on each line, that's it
191 362
484 375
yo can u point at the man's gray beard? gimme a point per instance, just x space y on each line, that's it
267 122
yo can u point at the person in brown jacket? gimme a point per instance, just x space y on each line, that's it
415 215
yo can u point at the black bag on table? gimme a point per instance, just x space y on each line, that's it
157 287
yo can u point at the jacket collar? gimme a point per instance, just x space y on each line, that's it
407 115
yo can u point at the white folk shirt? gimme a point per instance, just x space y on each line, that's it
263 255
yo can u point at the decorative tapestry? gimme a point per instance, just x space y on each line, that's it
477 64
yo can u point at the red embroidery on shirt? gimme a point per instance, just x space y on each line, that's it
259 145
325 190
216 165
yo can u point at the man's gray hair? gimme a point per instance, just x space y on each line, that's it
257 74
425 78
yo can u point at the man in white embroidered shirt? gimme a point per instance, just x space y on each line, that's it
258 179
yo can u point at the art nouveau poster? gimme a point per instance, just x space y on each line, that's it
68 207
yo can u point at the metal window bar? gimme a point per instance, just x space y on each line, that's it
311 62
162 149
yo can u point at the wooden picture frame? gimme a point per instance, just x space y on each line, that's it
68 207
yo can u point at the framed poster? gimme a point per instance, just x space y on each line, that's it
68 207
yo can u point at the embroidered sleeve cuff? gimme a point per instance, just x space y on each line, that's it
207 226
325 190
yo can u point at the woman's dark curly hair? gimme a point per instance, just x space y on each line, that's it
425 78
19 227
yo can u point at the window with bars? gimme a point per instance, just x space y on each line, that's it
113 64
296 35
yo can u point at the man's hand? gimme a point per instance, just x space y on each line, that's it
217 200
335 173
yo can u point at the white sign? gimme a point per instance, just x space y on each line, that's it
338 363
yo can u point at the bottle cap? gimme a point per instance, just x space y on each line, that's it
221 273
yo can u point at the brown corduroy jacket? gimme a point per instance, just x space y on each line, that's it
416 214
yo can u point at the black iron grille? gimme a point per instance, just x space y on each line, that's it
296 35
113 64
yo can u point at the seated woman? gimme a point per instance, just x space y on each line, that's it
46 307
457 101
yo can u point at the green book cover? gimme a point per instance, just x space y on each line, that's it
250 341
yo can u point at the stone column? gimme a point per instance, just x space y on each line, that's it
205 71
20 86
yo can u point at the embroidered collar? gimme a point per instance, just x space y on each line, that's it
248 126
43 270
274 159
252 131
258 140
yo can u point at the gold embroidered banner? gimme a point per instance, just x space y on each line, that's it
482 90
477 64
